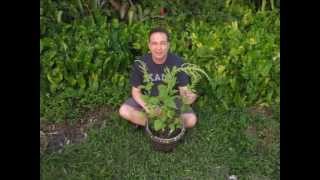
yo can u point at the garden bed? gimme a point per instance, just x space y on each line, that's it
54 136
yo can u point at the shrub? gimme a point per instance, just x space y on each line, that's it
93 55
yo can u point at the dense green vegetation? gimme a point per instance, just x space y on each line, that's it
86 52
94 54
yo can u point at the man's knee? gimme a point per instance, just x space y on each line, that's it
124 111
190 120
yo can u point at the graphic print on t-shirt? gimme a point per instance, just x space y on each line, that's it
156 72
156 77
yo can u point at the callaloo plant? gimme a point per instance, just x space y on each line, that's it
169 118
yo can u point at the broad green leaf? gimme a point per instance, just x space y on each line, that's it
82 82
136 45
163 92
170 103
154 100
266 68
158 124
59 15
50 79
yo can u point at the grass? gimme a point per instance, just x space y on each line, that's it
220 145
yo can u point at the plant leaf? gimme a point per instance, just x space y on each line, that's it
158 124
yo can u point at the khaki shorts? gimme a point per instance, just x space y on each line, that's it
131 102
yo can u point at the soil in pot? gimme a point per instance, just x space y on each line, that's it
165 134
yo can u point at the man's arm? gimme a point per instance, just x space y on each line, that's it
136 95
188 96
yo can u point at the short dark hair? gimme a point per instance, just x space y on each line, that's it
159 29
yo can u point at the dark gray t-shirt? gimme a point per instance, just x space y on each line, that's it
156 72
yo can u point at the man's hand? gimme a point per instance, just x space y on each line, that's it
158 111
155 112
188 96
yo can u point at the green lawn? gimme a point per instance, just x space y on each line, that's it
220 145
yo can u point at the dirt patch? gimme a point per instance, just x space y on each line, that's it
260 111
251 131
265 137
53 136
266 133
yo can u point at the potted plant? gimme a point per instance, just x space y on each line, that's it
165 127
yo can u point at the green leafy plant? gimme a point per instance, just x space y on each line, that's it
169 118
83 53
242 56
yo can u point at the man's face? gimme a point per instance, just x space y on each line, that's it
159 46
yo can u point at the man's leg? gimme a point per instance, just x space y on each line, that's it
187 115
137 117
132 112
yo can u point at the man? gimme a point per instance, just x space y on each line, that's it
156 61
